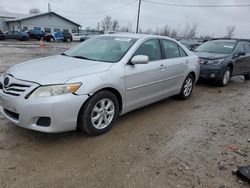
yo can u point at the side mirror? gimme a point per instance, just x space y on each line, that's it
140 59
241 53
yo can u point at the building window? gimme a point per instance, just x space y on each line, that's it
66 30
47 30
56 30
73 31
37 28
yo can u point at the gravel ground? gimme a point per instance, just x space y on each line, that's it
193 143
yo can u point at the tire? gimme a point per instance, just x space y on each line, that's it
187 88
91 118
52 39
68 39
226 77
247 76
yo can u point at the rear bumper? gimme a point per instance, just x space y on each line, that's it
61 110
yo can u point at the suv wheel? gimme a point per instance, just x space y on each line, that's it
52 39
68 39
187 88
226 77
98 113
247 76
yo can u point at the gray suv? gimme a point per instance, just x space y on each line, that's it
88 86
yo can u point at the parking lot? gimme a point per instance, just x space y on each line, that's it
193 143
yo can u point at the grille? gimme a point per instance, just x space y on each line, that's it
15 89
11 114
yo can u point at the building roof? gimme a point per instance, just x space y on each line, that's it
11 15
29 16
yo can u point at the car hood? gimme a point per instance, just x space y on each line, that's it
211 56
56 69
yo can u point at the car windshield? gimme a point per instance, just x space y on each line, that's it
106 49
219 47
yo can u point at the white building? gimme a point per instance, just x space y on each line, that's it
49 22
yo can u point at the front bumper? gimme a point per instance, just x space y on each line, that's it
212 72
62 110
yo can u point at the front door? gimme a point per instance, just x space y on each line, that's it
145 82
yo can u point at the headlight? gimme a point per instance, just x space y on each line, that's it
214 62
54 90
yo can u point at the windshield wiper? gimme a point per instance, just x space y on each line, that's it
64 54
81 57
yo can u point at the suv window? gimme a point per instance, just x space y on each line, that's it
240 47
247 47
171 49
150 48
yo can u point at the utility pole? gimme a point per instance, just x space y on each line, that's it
138 17
49 7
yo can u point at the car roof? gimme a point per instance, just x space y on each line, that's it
224 40
136 36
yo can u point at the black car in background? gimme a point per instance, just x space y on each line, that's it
18 35
221 59
2 36
35 34
67 37
190 44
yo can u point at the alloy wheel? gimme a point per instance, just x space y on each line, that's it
188 86
103 113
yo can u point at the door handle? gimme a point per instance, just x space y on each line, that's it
162 67
187 61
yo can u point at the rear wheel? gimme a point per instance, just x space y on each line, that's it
98 113
187 88
226 77
247 76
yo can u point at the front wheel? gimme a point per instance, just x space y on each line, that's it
225 79
52 39
187 88
98 114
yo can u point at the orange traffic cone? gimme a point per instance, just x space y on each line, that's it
41 43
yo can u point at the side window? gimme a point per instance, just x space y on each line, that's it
150 48
182 52
247 47
240 47
171 49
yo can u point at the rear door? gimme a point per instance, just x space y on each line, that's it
247 49
240 65
176 63
145 83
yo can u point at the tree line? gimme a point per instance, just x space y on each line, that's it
190 30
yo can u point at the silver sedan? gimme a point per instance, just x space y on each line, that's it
88 86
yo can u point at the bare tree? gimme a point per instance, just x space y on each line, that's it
193 31
230 31
174 33
165 31
34 11
115 25
106 23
